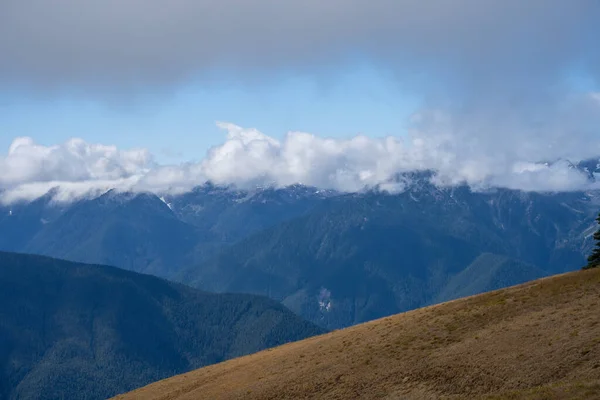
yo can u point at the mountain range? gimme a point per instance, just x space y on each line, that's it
362 256
335 258
70 330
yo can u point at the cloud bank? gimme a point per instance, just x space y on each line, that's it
30 170
531 161
468 46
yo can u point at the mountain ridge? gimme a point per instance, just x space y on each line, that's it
378 255
68 329
375 252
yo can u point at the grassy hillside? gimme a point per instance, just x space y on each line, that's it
540 340
75 331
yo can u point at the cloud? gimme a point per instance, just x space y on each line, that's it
475 46
29 170
539 161
65 191
497 79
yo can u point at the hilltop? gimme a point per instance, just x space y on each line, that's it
71 330
539 340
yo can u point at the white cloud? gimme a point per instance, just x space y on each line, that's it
65 191
504 155
29 169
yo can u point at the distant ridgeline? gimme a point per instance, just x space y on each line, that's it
71 331
337 259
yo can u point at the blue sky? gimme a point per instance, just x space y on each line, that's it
179 125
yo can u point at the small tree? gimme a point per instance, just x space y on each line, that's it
594 258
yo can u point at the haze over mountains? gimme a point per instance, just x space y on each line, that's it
335 258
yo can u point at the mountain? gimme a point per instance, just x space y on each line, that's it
21 221
337 259
487 273
538 341
232 214
137 232
591 167
146 233
362 256
71 330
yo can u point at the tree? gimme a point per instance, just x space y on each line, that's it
594 258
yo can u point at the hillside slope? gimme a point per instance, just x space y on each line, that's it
539 340
71 331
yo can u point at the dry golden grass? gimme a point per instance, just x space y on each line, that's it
539 340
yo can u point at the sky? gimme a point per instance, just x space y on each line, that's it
181 125
139 95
